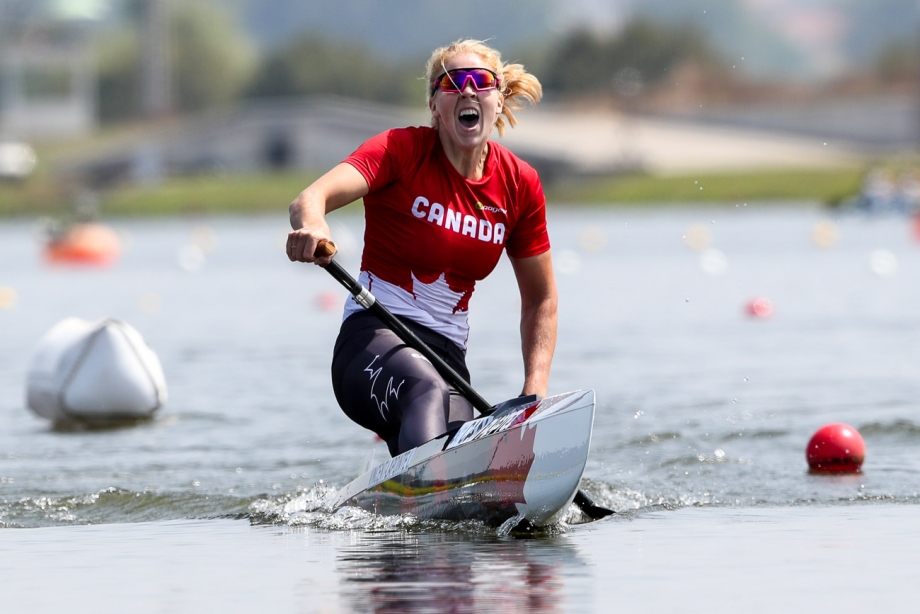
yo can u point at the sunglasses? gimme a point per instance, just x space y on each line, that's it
455 80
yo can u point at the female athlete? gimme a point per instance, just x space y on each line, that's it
441 204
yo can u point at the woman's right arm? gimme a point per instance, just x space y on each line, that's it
340 186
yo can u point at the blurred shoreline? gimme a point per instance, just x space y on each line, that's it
256 157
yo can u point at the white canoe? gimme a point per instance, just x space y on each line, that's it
522 461
94 373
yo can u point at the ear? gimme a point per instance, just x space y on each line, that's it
433 108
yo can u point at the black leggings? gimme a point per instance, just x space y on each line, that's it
389 388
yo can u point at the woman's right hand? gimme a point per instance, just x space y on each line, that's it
340 186
302 245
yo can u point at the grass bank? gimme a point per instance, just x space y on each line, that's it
236 194
264 193
828 186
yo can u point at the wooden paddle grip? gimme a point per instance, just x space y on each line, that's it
325 248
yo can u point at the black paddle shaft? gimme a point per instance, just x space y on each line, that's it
364 298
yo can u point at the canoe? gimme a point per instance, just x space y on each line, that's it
524 462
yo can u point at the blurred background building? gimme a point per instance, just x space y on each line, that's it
243 85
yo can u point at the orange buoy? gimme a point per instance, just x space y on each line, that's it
84 244
836 448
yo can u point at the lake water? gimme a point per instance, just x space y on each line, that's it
221 503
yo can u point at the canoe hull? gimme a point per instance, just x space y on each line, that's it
526 461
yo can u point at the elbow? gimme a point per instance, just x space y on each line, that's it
298 211
295 209
545 307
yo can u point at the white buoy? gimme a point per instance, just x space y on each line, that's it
94 373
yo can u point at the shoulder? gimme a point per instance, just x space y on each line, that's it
391 154
518 175
400 139
411 137
509 161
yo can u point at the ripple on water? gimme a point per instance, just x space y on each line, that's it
115 505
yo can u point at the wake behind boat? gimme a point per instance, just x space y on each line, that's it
524 460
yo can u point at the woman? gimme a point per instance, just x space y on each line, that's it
441 203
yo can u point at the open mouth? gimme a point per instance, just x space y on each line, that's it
469 118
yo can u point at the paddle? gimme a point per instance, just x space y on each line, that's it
367 300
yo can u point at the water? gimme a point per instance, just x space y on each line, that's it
222 501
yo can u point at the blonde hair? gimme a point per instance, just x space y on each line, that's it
517 85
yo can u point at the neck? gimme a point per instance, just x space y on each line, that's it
470 163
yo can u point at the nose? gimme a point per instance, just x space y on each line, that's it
468 86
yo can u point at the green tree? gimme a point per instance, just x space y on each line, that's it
118 65
898 61
211 61
316 66
644 52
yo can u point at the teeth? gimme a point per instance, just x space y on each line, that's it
469 113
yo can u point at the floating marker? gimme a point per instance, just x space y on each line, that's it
883 262
8 297
836 448
95 373
713 261
190 257
328 301
84 244
825 234
698 237
759 308
592 239
567 262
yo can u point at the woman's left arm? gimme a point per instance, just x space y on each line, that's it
539 301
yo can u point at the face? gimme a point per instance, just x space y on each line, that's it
466 117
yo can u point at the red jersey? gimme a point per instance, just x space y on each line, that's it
431 233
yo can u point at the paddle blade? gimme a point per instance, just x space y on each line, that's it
589 508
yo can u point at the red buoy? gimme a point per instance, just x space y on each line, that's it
836 448
759 308
328 301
